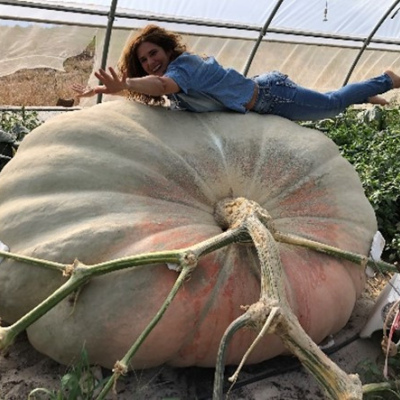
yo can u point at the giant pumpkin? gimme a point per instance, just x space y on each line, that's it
121 179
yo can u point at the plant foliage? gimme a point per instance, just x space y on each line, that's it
371 371
79 383
13 128
370 140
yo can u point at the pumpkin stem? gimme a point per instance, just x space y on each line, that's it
79 274
272 313
243 221
237 324
188 263
6 337
263 331
381 387
34 261
363 261
77 279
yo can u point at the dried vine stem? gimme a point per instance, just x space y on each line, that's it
363 261
381 387
272 313
250 222
78 274
188 264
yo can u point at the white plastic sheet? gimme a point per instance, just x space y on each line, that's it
314 41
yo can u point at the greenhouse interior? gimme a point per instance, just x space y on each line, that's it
321 44
67 178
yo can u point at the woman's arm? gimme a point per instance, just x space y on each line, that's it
87 91
151 85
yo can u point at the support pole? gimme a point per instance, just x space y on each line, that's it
261 35
368 40
111 18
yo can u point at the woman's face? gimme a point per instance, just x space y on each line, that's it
153 58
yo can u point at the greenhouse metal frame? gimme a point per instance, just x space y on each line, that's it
114 18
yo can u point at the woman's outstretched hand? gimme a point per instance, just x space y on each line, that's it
83 91
112 84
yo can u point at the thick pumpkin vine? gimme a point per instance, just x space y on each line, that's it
240 224
247 222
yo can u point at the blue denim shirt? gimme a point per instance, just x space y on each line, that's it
207 86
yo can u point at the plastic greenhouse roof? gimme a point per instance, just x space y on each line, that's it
361 36
348 18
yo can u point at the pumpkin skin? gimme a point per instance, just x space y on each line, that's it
121 179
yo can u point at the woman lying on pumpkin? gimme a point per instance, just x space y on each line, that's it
155 64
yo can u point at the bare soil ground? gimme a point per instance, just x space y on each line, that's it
23 369
44 86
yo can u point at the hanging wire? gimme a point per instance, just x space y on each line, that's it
326 11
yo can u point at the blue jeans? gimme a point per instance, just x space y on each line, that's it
278 95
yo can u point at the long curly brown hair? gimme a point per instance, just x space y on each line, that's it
130 65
